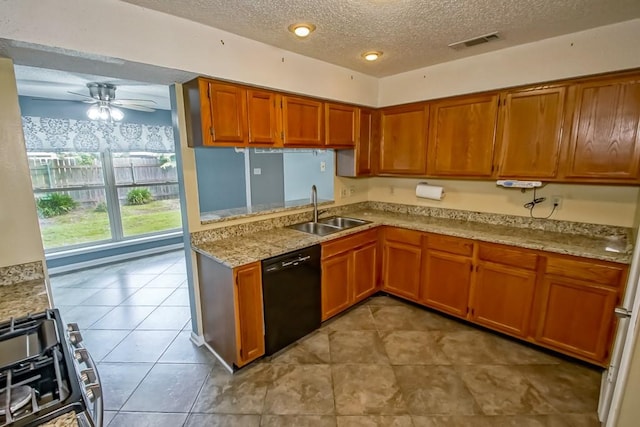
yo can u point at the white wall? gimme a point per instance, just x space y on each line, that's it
609 48
20 240
136 34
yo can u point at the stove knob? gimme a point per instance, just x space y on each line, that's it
72 327
88 376
75 337
93 391
81 355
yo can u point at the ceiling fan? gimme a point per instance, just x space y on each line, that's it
105 105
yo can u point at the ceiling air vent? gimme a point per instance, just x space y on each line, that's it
475 41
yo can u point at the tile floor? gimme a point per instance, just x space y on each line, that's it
384 363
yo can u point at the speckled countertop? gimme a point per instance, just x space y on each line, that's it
237 251
67 420
21 298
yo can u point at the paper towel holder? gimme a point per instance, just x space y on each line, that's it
426 191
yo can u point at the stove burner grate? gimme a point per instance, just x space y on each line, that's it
20 397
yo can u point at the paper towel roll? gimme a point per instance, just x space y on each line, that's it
427 191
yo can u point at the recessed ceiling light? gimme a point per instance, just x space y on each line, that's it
302 30
372 55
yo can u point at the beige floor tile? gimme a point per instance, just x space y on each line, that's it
483 421
357 347
300 389
215 420
472 347
356 319
239 393
375 421
298 421
568 388
410 318
312 349
435 390
413 348
366 390
504 390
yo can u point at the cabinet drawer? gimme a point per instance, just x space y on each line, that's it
454 245
508 256
605 274
410 237
349 242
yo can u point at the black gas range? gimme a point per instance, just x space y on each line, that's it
45 373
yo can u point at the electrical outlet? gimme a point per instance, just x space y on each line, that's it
343 193
392 190
323 166
352 190
557 202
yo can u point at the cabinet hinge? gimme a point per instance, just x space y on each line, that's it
282 136
281 104
241 355
471 267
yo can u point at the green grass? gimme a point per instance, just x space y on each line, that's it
86 225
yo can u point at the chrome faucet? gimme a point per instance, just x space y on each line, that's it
314 200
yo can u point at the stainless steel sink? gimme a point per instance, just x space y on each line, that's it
343 222
315 228
328 225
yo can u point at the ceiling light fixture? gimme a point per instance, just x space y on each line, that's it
372 55
104 111
302 30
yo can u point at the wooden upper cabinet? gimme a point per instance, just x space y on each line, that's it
228 107
530 133
340 125
264 118
461 136
604 144
249 313
403 142
359 161
302 121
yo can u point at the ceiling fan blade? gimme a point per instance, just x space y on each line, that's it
80 94
137 108
133 101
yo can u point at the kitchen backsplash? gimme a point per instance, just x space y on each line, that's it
481 217
21 273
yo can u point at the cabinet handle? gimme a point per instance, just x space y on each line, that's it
622 313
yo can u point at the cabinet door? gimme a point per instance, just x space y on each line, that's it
461 136
604 141
577 317
364 144
502 298
249 313
365 271
530 133
228 113
403 143
446 282
401 266
264 117
340 125
336 292
302 121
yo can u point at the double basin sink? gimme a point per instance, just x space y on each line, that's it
327 226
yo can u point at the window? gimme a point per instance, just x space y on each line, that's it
89 198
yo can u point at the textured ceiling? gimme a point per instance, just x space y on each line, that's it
411 33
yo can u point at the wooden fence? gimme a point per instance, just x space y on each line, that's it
72 176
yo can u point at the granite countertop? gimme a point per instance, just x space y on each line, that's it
67 420
19 299
236 251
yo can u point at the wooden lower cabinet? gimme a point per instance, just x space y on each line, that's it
232 310
249 313
336 292
401 262
446 282
502 298
349 271
577 317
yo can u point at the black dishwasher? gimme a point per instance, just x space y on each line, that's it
291 293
